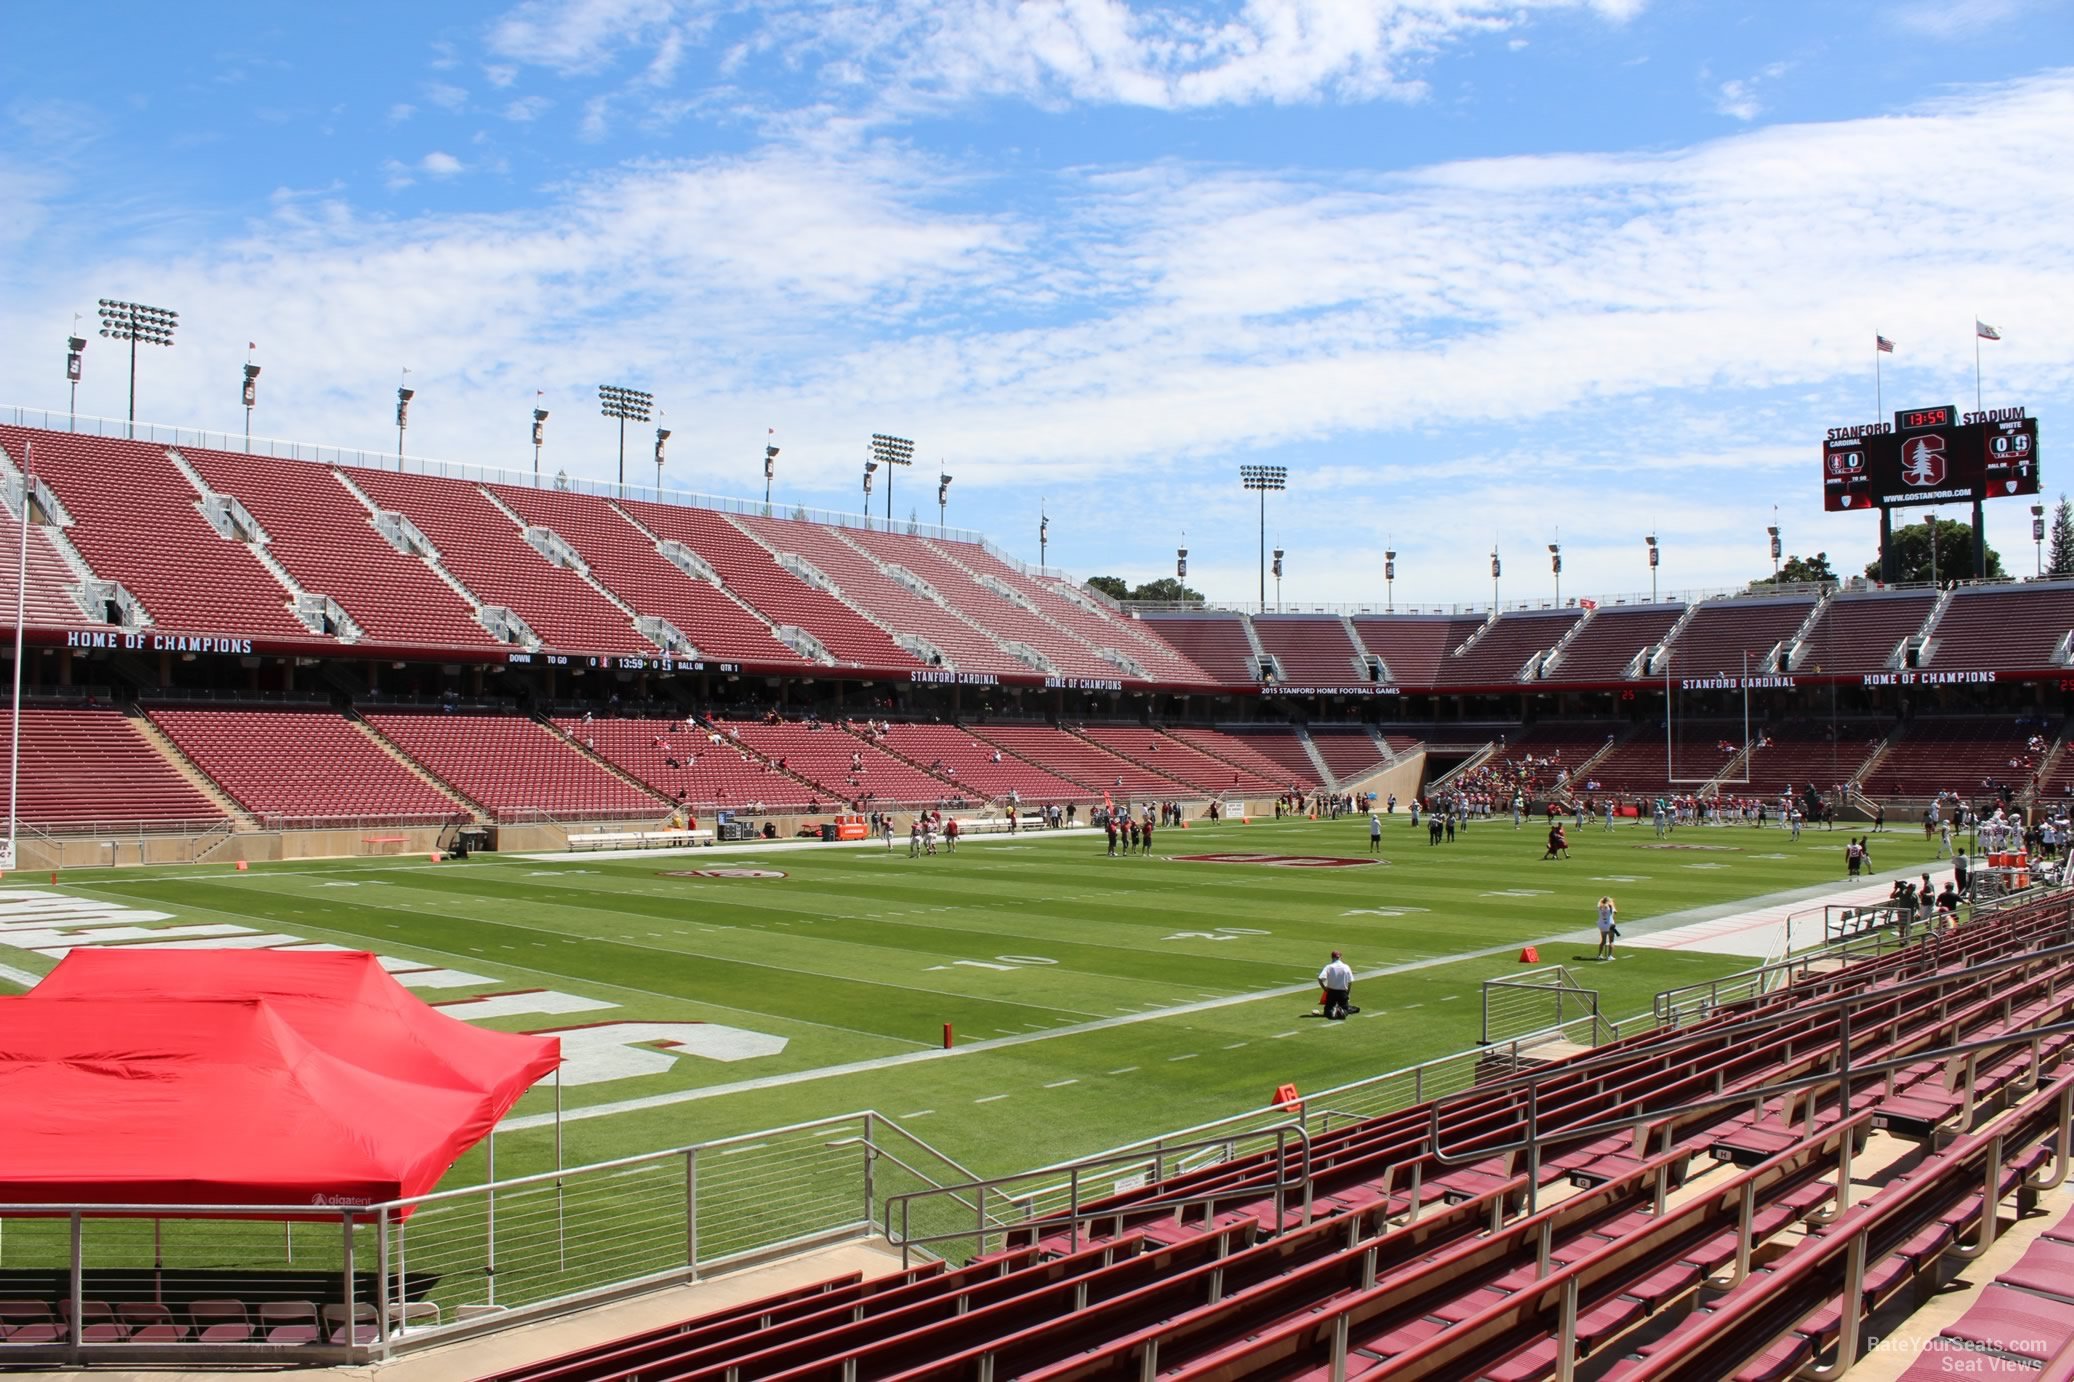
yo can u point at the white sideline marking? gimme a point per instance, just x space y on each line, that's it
1235 1046
1451 998
919 1113
20 977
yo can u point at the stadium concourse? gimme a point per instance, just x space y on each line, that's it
238 658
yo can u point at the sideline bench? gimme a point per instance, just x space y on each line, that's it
638 839
384 844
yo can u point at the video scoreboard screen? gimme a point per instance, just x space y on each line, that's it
1930 456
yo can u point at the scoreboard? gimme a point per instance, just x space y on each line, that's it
1931 456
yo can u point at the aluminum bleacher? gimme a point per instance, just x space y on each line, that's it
1724 637
1863 632
627 562
480 545
1214 641
2004 627
326 539
129 780
1313 649
138 522
301 764
1722 1214
1608 641
752 574
514 767
1415 647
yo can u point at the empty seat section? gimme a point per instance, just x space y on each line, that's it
1272 751
1501 652
1723 637
1215 642
1863 633
1177 758
81 766
1962 755
1606 643
1314 650
300 763
889 602
982 767
1699 749
680 761
753 574
1071 756
628 564
325 536
989 608
1415 646
1084 613
513 766
47 601
1823 754
850 769
484 550
1349 750
139 522
2022 627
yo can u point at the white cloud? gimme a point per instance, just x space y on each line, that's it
576 35
500 74
440 165
1740 98
1961 19
526 109
401 112
445 95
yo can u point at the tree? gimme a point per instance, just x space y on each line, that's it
1115 587
1802 570
1165 588
2059 555
1954 553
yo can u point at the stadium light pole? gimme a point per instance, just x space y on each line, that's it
1778 547
770 469
1390 580
135 322
626 405
2038 534
1555 565
889 452
1278 580
1180 563
1262 479
251 397
539 436
943 494
1655 555
1497 570
74 347
869 467
662 434
1043 534
403 398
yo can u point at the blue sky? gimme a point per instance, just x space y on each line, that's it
1476 273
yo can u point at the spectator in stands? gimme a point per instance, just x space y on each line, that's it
1608 932
1337 980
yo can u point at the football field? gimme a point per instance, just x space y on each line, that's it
1093 1000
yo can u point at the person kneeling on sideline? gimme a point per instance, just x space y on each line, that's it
1338 982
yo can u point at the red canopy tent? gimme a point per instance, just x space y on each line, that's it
169 1087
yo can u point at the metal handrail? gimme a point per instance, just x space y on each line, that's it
1074 1216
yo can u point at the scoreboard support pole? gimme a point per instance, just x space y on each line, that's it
1887 558
1980 543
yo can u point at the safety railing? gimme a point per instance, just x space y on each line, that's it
1052 1198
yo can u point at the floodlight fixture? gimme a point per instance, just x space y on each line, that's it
1389 580
2038 534
943 494
1043 533
74 347
626 405
1263 479
1278 580
403 398
891 451
250 394
662 434
1655 556
539 437
1181 563
137 323
1555 565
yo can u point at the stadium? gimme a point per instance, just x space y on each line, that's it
471 919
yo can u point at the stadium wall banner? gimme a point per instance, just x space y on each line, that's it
1369 688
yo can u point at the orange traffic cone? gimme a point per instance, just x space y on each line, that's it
1528 955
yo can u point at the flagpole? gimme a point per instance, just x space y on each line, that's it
21 588
1976 363
1879 398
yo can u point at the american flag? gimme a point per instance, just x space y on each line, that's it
1883 345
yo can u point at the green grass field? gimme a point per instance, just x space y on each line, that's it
1096 1000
